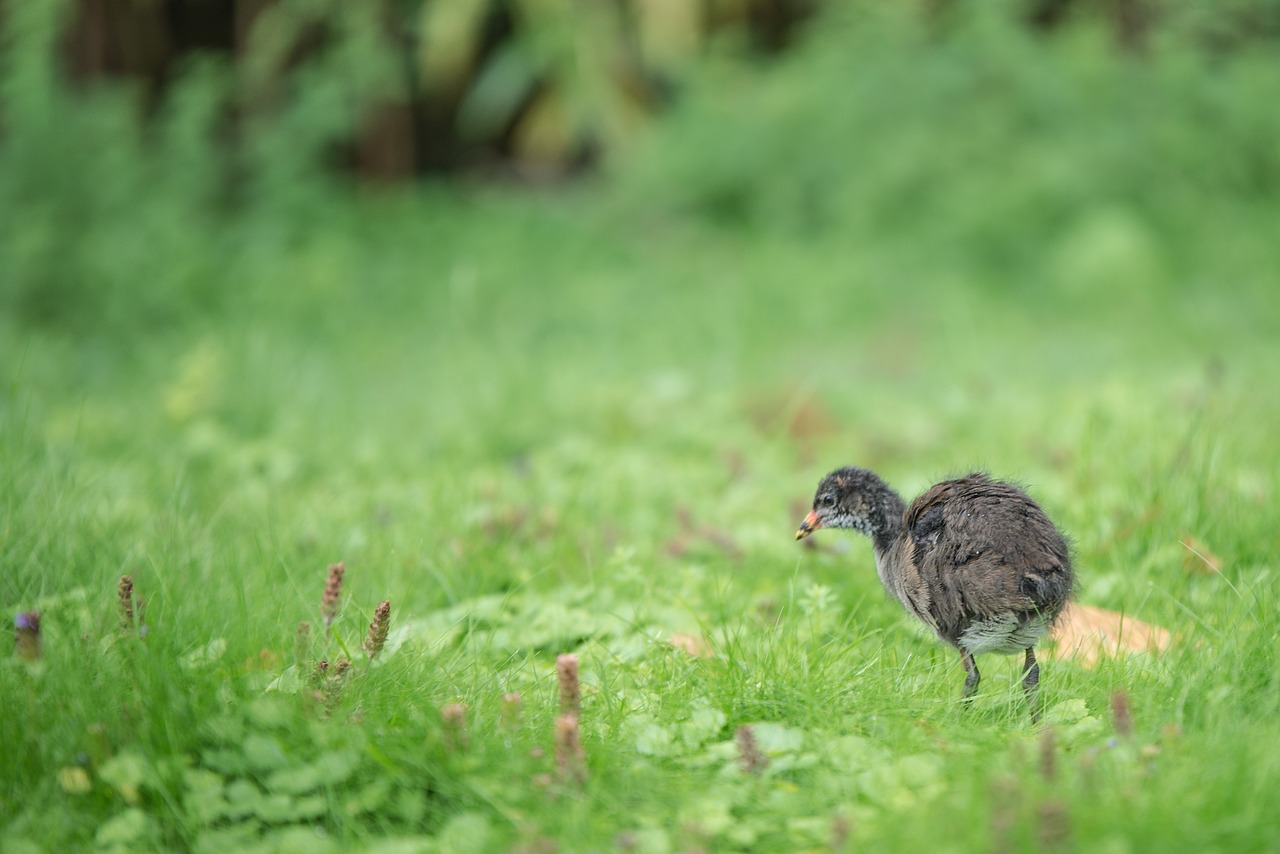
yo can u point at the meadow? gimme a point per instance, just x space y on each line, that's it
587 419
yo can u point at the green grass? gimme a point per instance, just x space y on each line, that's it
587 423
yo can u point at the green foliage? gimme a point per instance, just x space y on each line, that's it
113 223
989 155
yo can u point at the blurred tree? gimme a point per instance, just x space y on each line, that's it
180 111
534 87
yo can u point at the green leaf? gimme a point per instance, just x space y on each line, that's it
370 798
226 761
902 785
650 840
410 806
450 34
242 798
23 846
288 682
1067 712
237 837
274 808
654 740
329 769
775 739
204 655
811 830
503 83
711 813
271 712
853 753
402 845
264 753
202 798
336 766
127 773
129 830
299 840
310 807
294 781
465 832
704 724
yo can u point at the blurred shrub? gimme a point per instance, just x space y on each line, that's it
104 223
146 147
966 144
431 85
149 148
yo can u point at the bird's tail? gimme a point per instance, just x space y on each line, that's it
1048 588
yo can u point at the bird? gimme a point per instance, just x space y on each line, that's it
975 559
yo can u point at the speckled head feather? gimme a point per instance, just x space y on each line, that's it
856 498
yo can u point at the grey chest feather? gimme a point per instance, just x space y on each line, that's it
1007 633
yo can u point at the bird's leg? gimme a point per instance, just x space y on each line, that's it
1031 684
972 676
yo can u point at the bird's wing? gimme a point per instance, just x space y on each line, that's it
986 550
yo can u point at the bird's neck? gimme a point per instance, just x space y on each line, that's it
885 519
886 523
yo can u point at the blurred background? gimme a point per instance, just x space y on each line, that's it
1119 153
331 246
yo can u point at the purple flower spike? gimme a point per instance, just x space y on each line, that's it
27 636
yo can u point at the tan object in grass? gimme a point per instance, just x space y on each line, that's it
695 645
1087 633
1199 558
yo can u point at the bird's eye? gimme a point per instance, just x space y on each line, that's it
828 500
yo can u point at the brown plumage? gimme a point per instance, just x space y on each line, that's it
974 558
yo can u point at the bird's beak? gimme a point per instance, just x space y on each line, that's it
810 524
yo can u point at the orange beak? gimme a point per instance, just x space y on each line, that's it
810 524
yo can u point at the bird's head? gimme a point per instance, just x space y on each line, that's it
850 497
